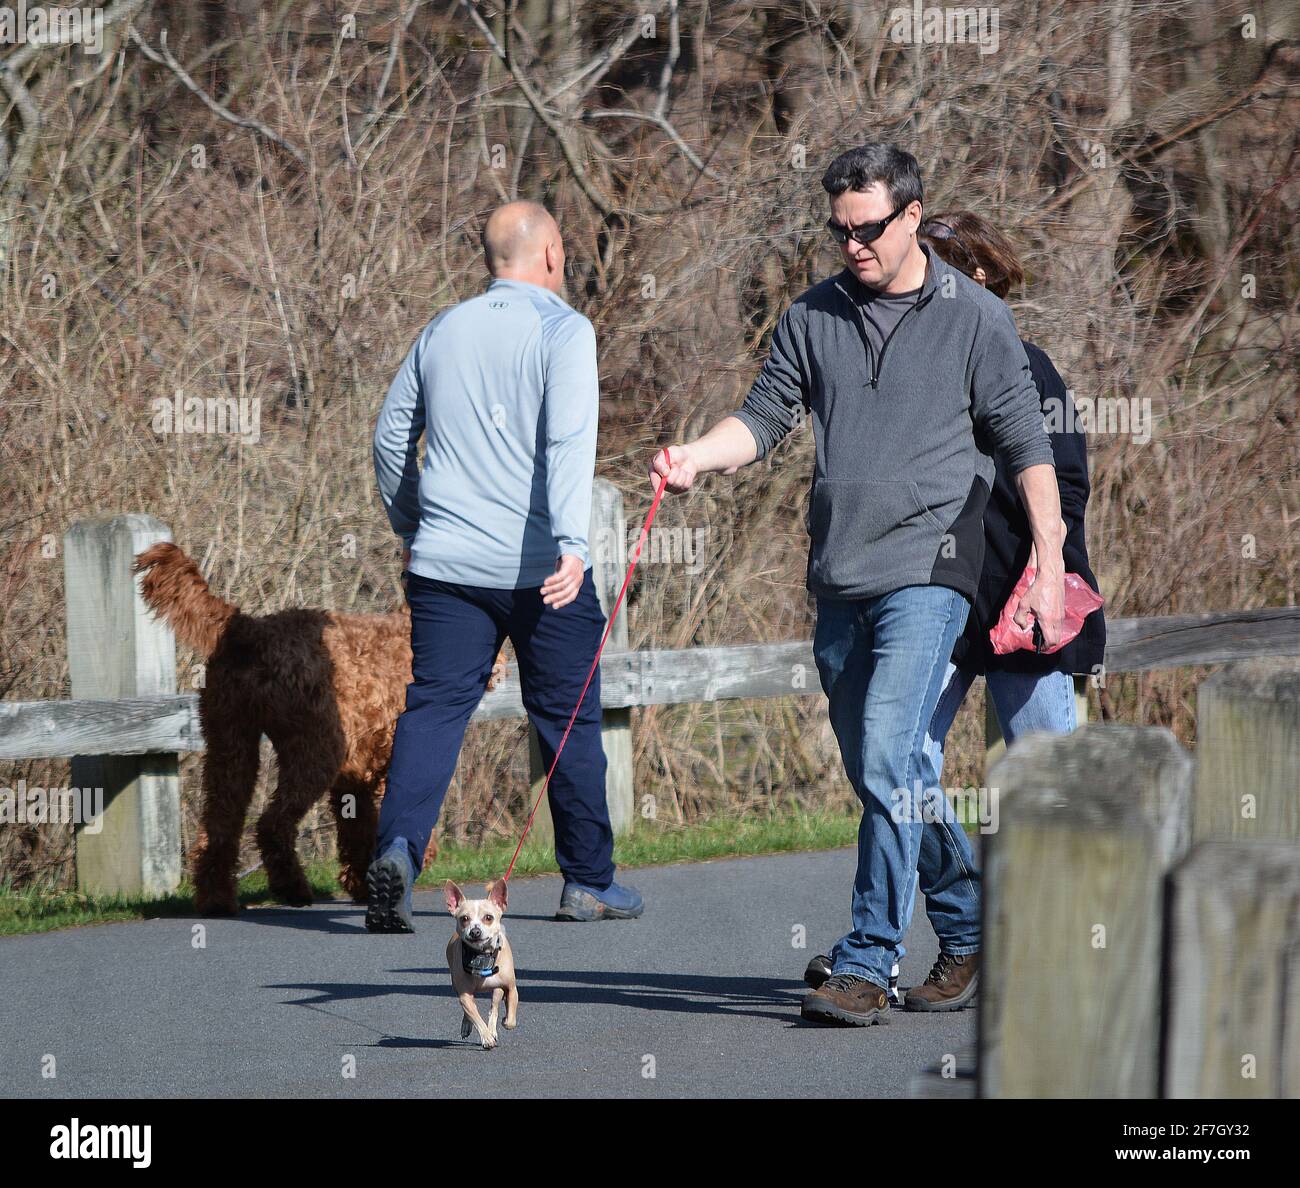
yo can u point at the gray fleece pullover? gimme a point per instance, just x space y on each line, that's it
904 435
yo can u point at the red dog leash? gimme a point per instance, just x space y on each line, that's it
636 556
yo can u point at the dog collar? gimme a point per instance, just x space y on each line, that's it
482 965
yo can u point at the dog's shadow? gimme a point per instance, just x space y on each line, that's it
693 994
403 1041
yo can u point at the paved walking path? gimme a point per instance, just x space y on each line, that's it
702 991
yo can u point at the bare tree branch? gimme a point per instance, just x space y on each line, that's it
670 62
661 123
589 75
599 200
163 57
18 162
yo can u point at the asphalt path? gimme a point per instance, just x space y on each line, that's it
699 997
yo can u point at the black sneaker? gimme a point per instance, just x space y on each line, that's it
388 884
819 969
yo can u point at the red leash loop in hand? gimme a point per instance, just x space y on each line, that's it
636 556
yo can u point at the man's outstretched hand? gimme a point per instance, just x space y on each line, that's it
562 587
679 475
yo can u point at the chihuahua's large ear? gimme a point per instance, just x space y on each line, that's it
496 892
454 896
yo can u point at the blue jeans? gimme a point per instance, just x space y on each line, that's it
881 661
949 878
456 633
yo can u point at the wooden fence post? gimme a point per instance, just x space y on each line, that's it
1088 823
607 541
117 649
1248 752
609 565
1234 960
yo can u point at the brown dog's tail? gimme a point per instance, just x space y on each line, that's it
175 591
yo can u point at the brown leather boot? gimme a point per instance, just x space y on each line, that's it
819 969
846 1000
951 985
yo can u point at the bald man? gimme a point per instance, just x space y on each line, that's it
504 389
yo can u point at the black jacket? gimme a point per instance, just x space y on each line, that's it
1007 541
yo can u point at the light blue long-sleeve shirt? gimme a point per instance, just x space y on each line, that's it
505 390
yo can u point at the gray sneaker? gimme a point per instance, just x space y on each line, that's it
580 902
388 884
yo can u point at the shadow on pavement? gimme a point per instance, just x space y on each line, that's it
692 994
348 917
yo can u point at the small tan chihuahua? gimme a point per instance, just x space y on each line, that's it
480 959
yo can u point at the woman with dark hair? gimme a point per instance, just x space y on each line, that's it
1029 691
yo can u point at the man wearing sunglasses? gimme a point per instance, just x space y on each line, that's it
912 376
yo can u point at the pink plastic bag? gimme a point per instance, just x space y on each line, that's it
1080 601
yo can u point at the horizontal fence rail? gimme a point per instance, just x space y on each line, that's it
141 725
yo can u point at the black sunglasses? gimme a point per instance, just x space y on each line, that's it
864 234
937 230
934 229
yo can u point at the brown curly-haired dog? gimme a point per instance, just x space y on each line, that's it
325 688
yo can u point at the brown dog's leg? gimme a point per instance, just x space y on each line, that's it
308 767
356 814
499 669
229 777
512 1008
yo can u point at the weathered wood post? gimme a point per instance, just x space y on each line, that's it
1248 752
1234 972
607 540
1234 950
117 649
609 565
1088 824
